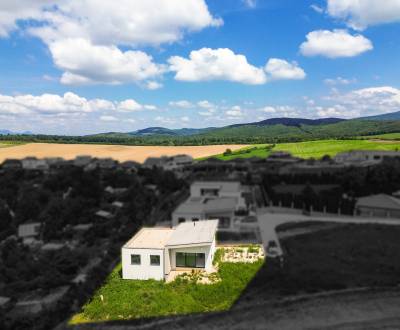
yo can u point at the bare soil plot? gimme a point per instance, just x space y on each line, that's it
118 152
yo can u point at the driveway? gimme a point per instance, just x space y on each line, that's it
271 217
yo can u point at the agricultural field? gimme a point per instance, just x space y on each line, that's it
7 144
388 136
120 299
311 149
118 152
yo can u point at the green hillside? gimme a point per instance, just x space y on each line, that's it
311 149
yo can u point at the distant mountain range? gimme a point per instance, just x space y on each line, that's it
386 116
265 131
273 125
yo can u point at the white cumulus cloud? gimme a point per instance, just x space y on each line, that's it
359 14
101 64
84 36
216 64
183 104
333 44
278 69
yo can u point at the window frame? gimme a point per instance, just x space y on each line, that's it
189 255
136 263
157 256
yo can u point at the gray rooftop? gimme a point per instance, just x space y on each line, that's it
381 201
225 186
207 204
198 232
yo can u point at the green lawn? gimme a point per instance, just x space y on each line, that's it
315 149
131 299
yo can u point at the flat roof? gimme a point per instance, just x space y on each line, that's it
197 232
207 204
150 238
188 233
224 185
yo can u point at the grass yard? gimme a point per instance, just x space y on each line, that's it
312 149
120 299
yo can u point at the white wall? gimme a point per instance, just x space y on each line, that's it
144 271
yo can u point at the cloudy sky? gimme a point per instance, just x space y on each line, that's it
88 66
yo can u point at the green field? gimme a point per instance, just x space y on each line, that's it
121 299
312 149
6 144
389 136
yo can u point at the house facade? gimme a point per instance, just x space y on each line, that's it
154 252
381 205
364 157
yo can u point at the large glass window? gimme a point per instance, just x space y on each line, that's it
190 260
180 259
200 260
154 260
135 259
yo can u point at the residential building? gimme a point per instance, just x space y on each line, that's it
169 163
153 253
364 157
12 164
222 200
29 232
82 161
380 205
32 163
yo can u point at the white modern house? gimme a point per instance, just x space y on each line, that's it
153 253
212 200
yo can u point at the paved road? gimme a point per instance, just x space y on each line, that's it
271 217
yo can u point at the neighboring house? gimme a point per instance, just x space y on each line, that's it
213 200
32 163
29 232
380 205
82 161
169 163
196 208
219 189
154 252
178 162
12 164
364 157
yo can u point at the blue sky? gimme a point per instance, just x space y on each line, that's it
88 66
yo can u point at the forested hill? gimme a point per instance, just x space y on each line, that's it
237 134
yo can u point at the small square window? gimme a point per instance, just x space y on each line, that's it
135 259
154 260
